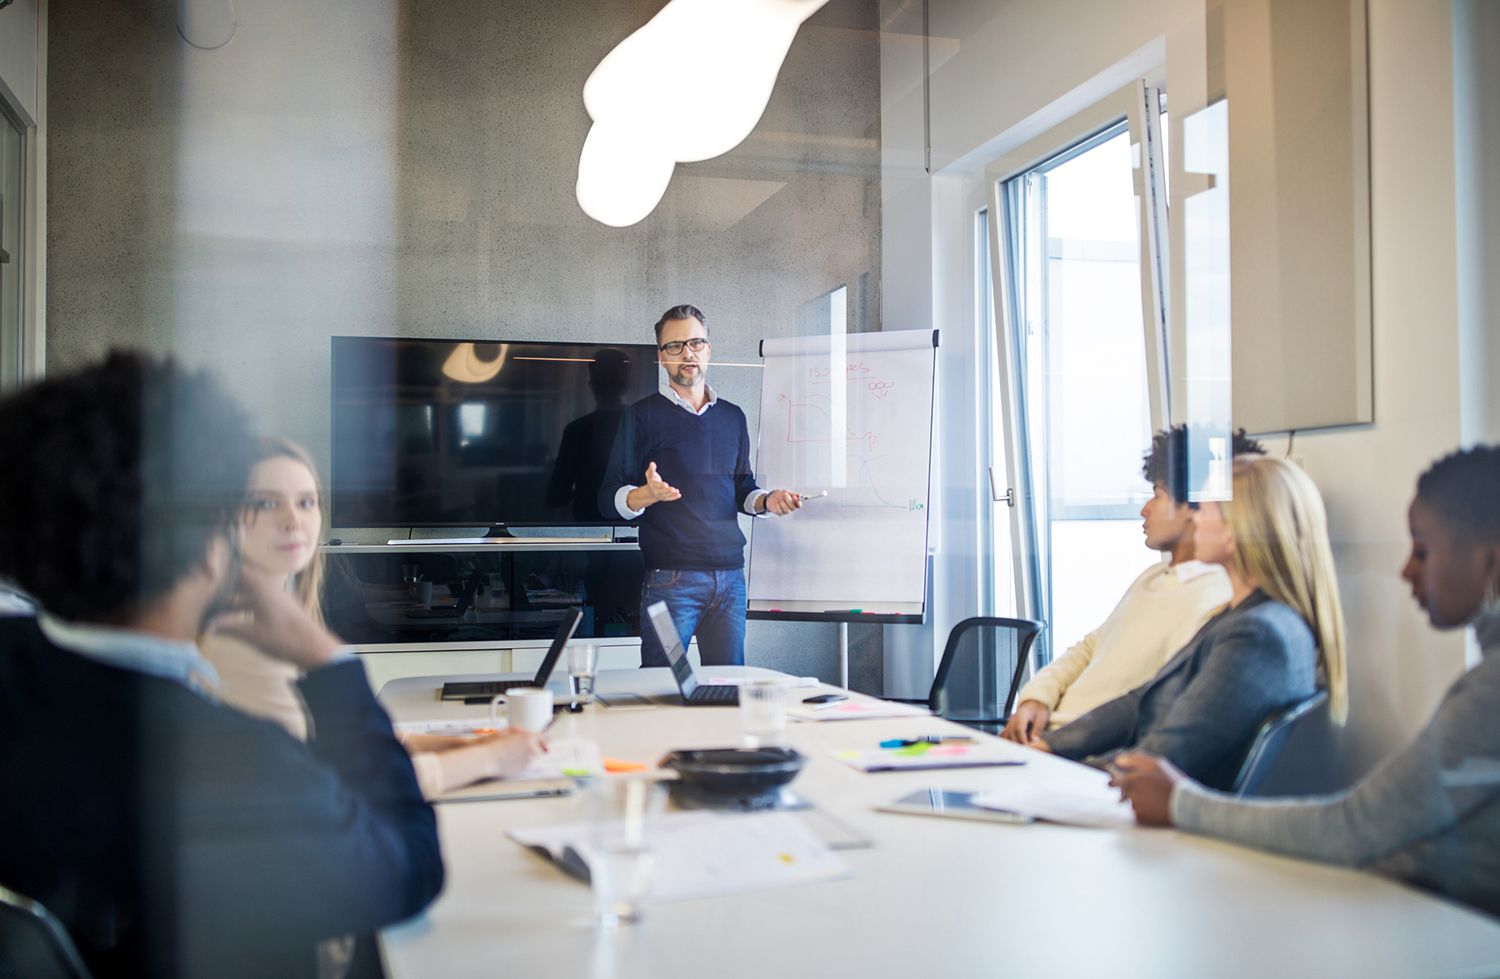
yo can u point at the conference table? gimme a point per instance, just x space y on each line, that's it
926 897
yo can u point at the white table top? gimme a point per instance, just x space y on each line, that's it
934 897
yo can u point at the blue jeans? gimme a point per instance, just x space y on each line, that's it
708 604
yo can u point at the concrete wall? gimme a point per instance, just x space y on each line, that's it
1015 69
392 168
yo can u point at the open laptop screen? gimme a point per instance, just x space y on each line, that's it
666 633
565 630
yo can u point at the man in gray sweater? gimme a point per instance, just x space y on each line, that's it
1429 814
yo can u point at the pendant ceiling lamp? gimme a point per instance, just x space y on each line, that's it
690 85
206 24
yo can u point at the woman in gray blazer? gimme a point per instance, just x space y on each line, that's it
1430 813
1281 634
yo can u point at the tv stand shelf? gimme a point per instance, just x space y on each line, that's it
505 594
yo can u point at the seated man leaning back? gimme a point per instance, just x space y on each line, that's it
172 835
1160 611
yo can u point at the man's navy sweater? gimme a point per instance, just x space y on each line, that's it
705 456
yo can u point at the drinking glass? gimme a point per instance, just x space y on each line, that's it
622 813
763 714
496 591
583 658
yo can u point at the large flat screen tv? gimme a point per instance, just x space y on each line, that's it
457 433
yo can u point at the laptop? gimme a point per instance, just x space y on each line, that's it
486 689
694 694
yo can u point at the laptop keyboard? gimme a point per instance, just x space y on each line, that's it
481 688
716 694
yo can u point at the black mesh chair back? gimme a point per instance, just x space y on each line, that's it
33 943
1269 741
981 670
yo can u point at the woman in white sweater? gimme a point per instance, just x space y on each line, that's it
279 534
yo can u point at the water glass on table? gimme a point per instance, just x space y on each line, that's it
622 817
763 714
583 659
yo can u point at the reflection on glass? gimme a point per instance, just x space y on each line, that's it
1206 378
527 446
467 365
470 423
583 452
820 404
511 596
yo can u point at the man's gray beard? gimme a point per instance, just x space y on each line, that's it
682 380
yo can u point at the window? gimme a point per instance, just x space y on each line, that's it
1083 308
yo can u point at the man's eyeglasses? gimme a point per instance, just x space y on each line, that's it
674 347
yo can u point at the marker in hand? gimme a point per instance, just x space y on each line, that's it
813 496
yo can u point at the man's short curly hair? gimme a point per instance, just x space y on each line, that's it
1166 462
1464 488
115 479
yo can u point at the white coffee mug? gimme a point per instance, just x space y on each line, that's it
526 708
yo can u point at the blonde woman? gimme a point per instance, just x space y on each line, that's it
1280 637
279 534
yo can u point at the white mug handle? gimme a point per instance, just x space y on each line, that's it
496 701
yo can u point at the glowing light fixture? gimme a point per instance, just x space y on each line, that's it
690 85
465 365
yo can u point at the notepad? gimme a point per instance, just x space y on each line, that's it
548 774
706 854
1081 800
857 710
793 682
918 757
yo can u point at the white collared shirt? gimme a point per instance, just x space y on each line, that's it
748 504
670 393
127 649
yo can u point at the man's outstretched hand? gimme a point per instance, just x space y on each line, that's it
653 490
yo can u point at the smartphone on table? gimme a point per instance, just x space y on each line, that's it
819 701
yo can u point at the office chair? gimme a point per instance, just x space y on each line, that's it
33 943
984 659
1269 741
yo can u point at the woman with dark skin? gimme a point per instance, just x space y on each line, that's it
1430 813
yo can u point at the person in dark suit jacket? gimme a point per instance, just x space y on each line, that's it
174 836
1280 636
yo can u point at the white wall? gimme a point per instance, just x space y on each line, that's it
1398 667
1020 68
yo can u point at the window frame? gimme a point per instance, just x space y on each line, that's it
1138 106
